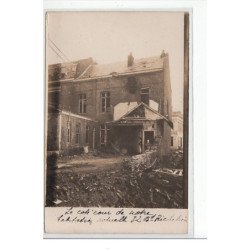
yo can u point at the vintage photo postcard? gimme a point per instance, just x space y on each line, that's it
116 126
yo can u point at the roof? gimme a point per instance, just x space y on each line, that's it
68 70
118 68
132 115
86 69
53 108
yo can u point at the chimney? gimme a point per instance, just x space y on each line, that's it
163 54
130 60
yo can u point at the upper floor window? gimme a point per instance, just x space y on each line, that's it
82 103
145 95
78 133
105 101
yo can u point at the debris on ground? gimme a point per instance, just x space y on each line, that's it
176 159
141 181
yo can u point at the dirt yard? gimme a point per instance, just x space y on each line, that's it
116 181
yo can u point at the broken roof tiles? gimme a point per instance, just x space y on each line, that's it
140 65
88 69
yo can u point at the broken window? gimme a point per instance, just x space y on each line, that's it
104 131
145 95
82 103
68 132
105 101
87 135
77 133
132 85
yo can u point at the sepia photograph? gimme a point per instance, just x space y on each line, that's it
116 126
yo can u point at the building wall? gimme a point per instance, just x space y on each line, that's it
177 132
166 141
176 140
57 133
68 145
167 106
122 89
119 92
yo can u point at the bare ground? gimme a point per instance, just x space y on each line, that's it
115 181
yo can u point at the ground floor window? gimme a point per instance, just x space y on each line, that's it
68 132
87 135
104 131
93 139
77 133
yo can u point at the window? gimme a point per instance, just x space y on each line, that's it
145 95
93 140
105 101
172 141
77 133
87 134
102 134
68 132
181 142
104 131
82 103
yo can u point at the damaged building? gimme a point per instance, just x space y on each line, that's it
125 107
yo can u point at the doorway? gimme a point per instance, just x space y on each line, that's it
148 139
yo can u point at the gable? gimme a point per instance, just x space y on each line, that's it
143 111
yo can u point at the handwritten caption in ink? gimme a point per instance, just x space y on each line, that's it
119 215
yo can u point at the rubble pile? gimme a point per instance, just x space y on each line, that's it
176 159
139 182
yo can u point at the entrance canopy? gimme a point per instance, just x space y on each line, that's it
138 115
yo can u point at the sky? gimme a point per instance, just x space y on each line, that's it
110 36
